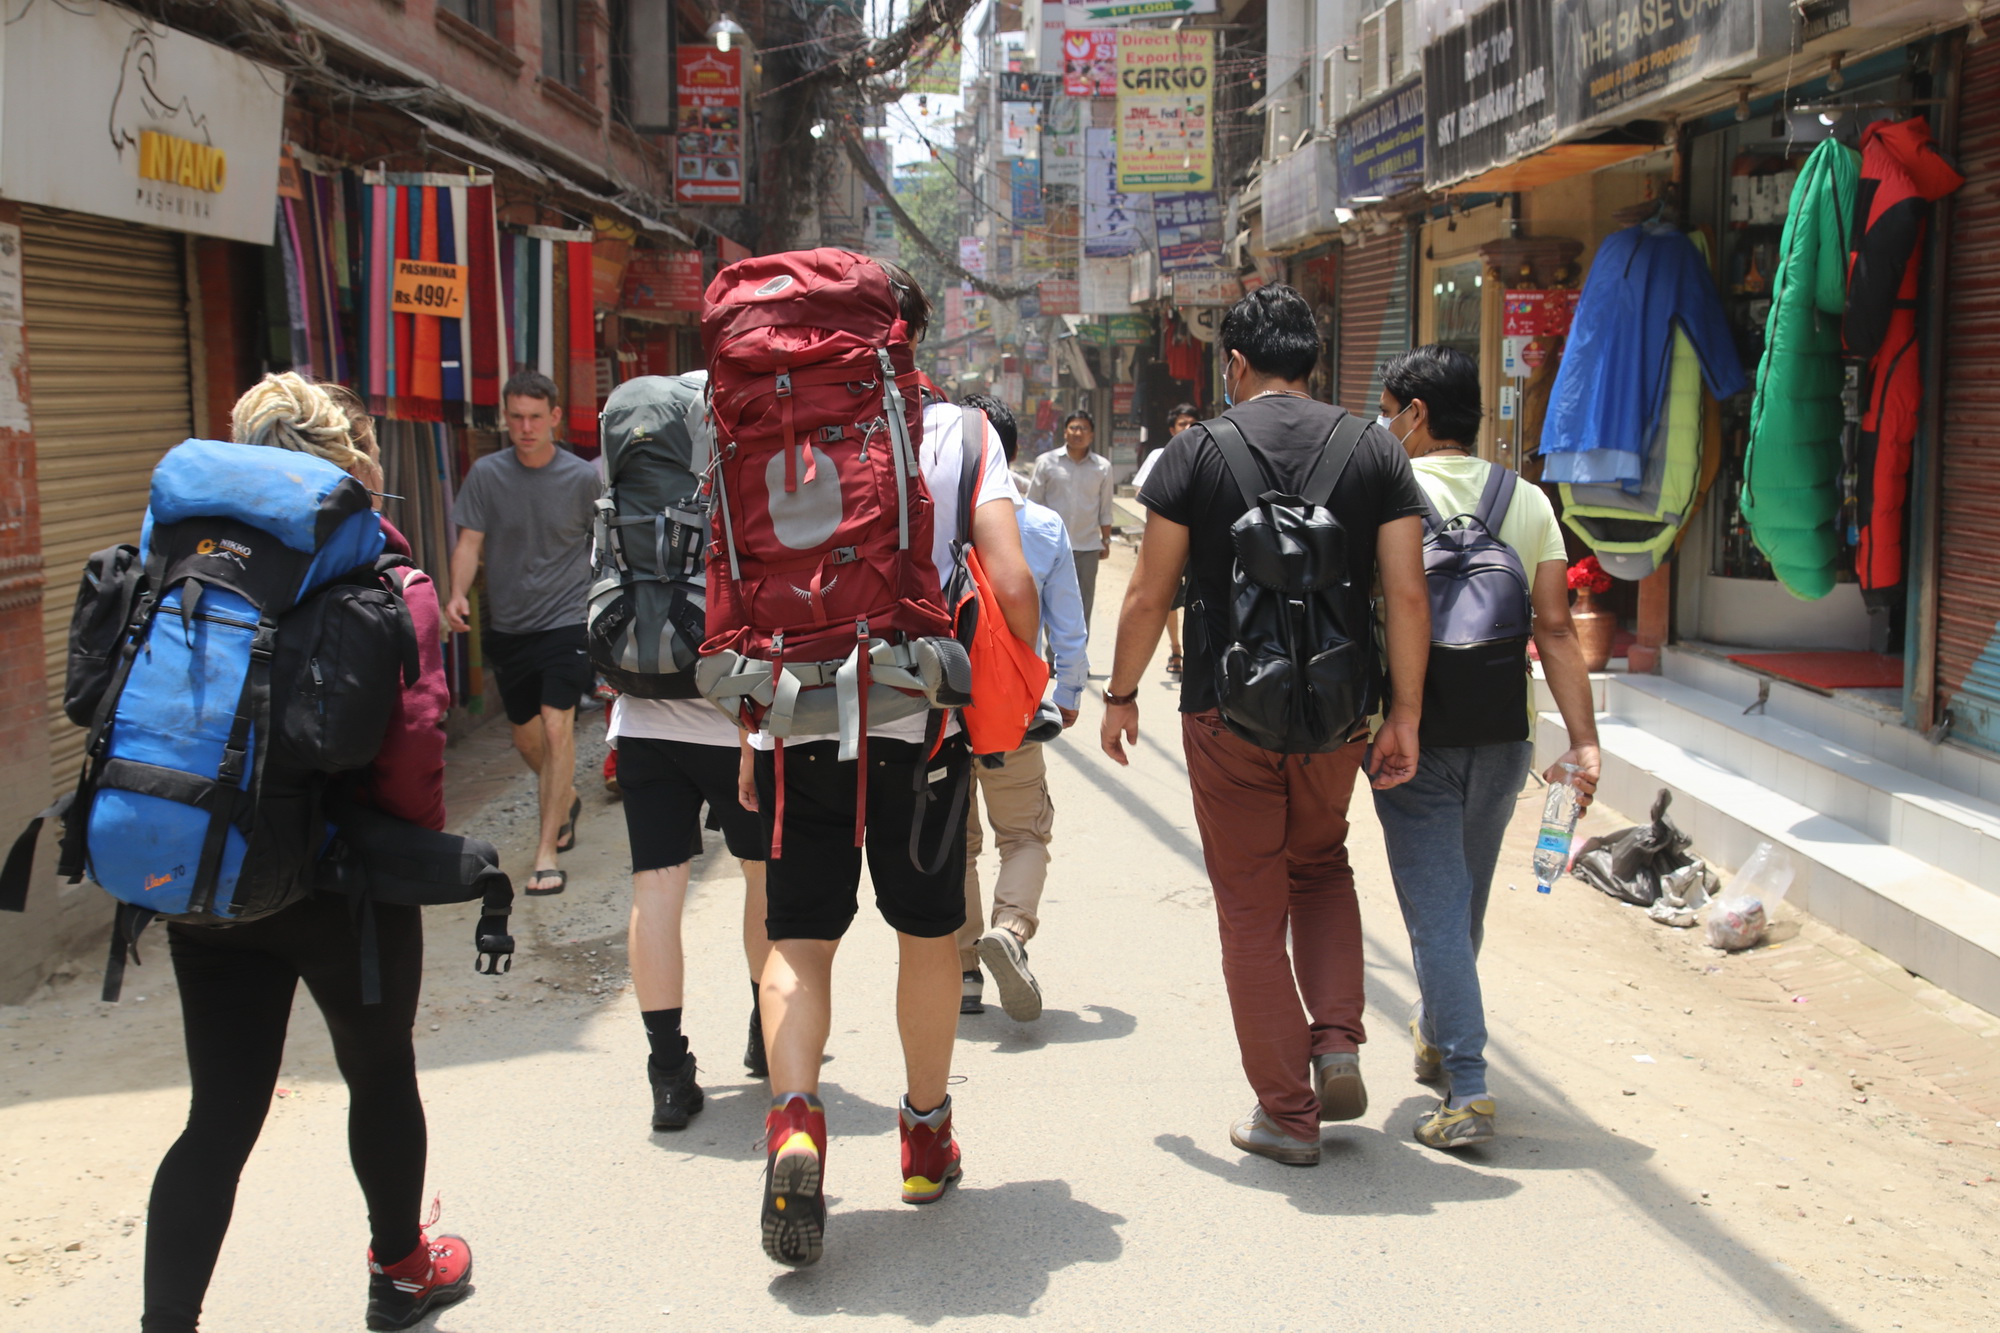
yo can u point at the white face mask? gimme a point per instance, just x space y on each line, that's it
1386 422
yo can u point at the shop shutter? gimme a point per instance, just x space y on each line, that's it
107 336
1373 316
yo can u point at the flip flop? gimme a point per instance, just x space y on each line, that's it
568 830
562 882
1173 664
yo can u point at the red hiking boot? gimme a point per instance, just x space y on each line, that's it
435 1274
931 1159
794 1180
611 772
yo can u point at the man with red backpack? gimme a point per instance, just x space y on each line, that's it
815 393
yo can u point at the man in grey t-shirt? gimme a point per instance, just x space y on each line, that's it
528 509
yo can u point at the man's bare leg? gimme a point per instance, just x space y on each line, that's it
797 1003
556 783
653 937
927 993
756 944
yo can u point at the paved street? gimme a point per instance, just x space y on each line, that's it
1803 1137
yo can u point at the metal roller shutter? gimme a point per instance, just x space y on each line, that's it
1374 316
107 333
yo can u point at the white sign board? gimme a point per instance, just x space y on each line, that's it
115 115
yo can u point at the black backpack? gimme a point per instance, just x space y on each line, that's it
1482 616
1293 678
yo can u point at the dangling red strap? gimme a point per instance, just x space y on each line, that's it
778 809
861 747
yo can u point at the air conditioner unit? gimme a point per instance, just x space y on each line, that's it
1371 73
1396 49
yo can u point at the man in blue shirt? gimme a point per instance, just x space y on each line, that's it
1017 788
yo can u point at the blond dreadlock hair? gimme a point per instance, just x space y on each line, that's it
288 411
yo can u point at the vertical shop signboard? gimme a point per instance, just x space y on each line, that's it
1613 55
972 256
1021 129
1110 217
708 157
1062 141
1487 93
1060 296
1379 151
1166 82
934 73
1090 62
1027 190
1187 229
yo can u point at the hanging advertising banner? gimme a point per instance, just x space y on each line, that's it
1021 129
1187 230
1110 219
708 156
934 73
1106 286
1062 141
1061 296
1102 12
954 313
1615 56
971 256
1166 79
1090 62
1026 191
1207 286
1053 245
658 282
1379 151
112 114
1486 91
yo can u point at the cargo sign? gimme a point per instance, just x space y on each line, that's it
1166 79
1487 94
708 156
424 287
1379 151
1613 55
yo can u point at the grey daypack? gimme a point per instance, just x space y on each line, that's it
1482 616
647 592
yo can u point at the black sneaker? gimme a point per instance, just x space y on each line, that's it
972 992
676 1096
754 1059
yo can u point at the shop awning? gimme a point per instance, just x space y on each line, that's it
1551 165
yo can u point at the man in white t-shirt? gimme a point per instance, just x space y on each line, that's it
812 889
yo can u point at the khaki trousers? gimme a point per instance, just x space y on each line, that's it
1023 817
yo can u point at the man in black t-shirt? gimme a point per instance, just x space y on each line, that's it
1274 828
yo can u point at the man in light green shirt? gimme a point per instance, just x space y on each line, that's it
1444 827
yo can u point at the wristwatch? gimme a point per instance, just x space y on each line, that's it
1120 700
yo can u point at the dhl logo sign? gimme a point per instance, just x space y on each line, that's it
177 161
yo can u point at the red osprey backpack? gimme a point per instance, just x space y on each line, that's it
824 607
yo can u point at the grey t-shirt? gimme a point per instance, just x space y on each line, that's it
537 525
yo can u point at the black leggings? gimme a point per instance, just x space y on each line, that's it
237 984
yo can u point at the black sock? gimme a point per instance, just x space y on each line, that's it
756 996
663 1034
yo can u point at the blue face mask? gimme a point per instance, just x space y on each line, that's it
1228 398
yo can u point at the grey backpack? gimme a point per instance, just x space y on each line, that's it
647 597
1482 616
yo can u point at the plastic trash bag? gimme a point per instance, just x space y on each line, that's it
1683 892
1738 918
1632 864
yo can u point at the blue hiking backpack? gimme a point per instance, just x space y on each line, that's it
185 808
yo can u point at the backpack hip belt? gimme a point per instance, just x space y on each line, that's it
810 698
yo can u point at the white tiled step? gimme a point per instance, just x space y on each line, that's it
1937 925
1952 764
1930 821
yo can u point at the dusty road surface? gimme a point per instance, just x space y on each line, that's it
1803 1137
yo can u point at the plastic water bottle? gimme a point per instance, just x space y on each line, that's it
1559 814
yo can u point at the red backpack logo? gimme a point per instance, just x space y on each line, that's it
824 606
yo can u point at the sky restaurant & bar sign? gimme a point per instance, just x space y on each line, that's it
1487 92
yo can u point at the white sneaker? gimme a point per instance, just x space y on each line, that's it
1007 959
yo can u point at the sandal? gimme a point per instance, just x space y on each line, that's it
561 878
568 830
1174 665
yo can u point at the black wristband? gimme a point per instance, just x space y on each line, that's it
1120 700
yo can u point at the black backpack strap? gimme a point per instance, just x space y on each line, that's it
1495 500
20 866
1341 442
127 923
1251 482
972 448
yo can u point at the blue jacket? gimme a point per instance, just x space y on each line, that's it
1611 388
1045 543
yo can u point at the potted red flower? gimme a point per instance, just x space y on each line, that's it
1596 625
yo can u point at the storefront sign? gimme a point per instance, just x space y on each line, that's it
426 288
1060 296
105 113
1614 55
1187 230
1020 129
1165 82
659 282
1121 396
1145 275
1106 286
1062 141
1207 286
1026 193
1379 151
971 256
1532 313
1110 218
1090 62
935 72
1124 11
1487 98
708 159
1129 330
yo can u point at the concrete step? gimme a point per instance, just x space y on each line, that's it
1936 924
1850 722
1935 823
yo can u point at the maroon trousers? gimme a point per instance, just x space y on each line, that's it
1275 840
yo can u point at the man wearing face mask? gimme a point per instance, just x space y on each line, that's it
1274 826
